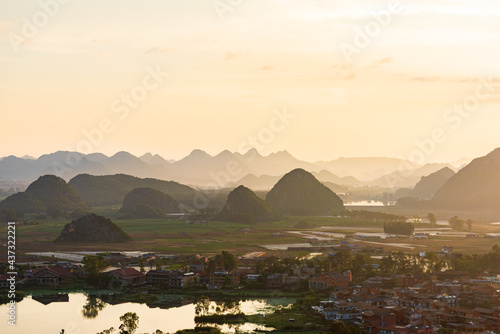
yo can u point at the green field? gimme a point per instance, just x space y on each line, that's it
178 236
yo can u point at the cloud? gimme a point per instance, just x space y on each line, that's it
158 50
2 25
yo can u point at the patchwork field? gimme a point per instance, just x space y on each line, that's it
177 236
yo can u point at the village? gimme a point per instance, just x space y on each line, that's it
365 295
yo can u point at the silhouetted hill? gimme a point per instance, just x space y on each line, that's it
92 229
299 193
148 203
48 191
111 189
244 206
429 185
407 178
267 182
474 187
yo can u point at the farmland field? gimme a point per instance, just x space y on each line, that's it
178 236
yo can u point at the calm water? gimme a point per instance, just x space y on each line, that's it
35 317
367 203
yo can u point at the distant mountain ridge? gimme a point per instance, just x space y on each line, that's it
200 169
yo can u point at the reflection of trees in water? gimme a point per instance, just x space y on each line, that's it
205 307
93 307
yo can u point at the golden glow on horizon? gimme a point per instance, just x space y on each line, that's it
227 76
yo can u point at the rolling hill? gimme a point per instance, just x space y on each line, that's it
112 189
474 187
244 206
299 193
48 191
148 203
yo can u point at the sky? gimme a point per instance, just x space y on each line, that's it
321 79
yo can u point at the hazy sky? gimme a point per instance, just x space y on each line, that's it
418 68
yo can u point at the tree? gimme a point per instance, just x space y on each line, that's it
399 228
158 264
456 223
469 223
93 306
93 265
341 261
432 218
54 212
141 264
130 322
202 307
224 260
229 261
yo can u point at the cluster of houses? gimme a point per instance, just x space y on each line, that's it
382 305
404 304
188 276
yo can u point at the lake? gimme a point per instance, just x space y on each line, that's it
35 317
369 203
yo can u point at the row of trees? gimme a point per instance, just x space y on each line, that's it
459 224
455 222
402 228
403 263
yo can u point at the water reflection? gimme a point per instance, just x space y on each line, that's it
93 306
35 317
55 298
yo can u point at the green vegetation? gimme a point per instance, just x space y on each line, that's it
299 193
399 228
92 229
460 224
93 265
432 218
477 263
47 194
112 189
245 207
148 203
130 322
